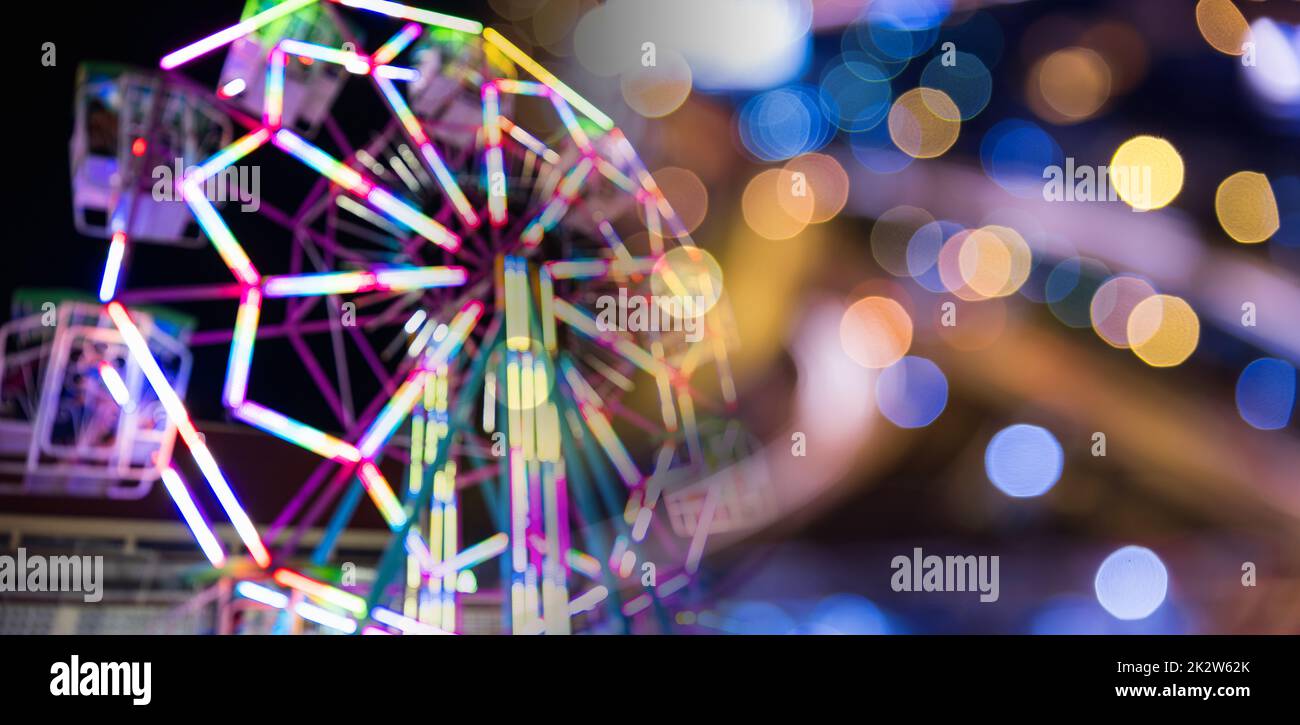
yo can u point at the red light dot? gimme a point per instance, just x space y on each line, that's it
138 147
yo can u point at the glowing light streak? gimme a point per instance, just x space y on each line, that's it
180 495
232 88
559 203
219 234
229 35
345 58
382 494
403 12
262 595
496 175
472 556
273 94
242 340
588 600
528 141
171 403
397 279
405 625
435 162
297 432
396 44
325 618
520 58
114 383
321 591
113 267
323 163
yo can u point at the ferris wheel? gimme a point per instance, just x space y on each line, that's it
510 309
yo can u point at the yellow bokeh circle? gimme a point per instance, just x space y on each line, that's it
1222 25
1246 207
687 271
773 207
1163 330
924 123
1146 172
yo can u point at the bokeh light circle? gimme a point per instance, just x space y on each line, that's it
1246 207
980 34
892 234
687 271
996 261
902 29
855 95
1024 460
847 614
1069 85
966 81
923 253
658 90
1112 304
826 182
912 392
875 332
772 207
1014 153
856 44
979 325
876 151
1163 330
1132 583
1222 25
782 123
685 193
1152 172
1266 392
1125 50
1071 287
924 123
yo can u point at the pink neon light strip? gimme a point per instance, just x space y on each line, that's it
397 279
171 402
